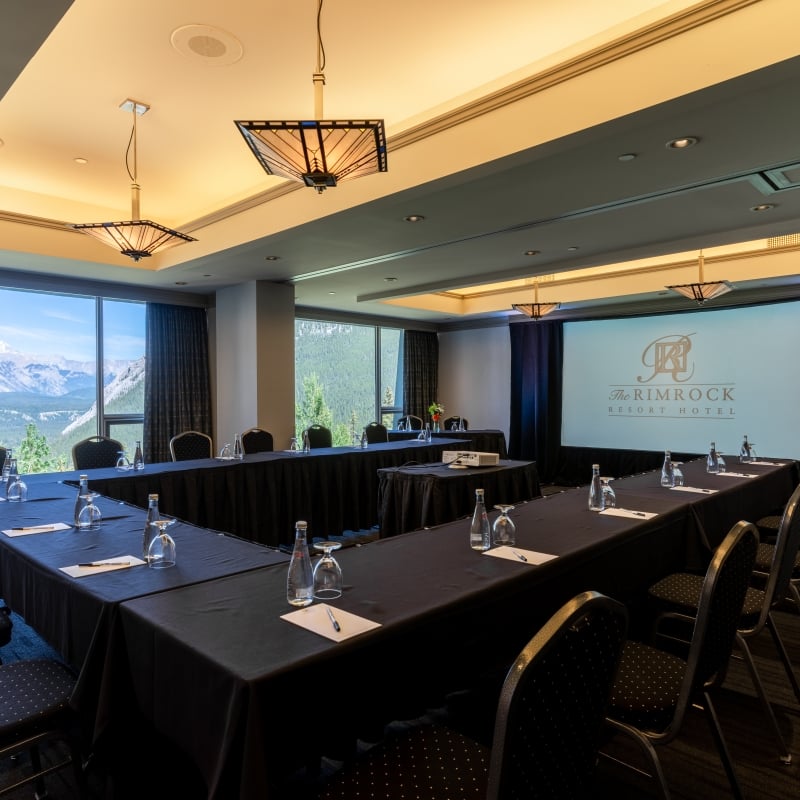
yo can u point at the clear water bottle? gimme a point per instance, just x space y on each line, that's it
80 500
712 460
428 433
479 530
364 440
150 530
596 502
7 464
238 449
306 442
746 451
668 471
138 457
300 578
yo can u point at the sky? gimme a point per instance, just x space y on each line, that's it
51 324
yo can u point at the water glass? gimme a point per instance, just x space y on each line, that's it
16 490
609 495
327 572
90 516
123 464
677 472
161 552
504 530
225 452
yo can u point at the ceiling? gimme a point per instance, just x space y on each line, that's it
505 125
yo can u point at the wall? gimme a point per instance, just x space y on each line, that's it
474 370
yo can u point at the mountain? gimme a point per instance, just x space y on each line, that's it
53 376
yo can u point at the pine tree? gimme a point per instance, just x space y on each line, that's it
33 453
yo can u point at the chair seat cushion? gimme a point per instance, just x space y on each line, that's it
681 592
426 761
647 687
36 691
764 556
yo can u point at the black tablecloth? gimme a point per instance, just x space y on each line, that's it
239 689
483 440
410 498
261 497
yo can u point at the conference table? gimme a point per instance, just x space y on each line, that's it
260 497
484 440
416 497
220 673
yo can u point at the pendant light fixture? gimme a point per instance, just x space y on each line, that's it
319 153
702 291
535 310
136 238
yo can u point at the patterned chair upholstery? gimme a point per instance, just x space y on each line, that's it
548 724
96 452
376 433
190 445
319 436
257 440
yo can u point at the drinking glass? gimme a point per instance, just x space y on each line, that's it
293 444
16 490
225 451
504 530
90 516
678 472
609 496
161 552
123 463
327 572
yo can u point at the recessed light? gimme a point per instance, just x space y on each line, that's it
626 157
572 249
414 218
682 143
180 283
331 293
390 280
531 253
271 258
763 207
81 161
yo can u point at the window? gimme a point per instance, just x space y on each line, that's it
50 348
346 375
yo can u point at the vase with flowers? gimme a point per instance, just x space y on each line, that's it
436 410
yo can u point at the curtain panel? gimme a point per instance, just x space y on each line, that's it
177 389
536 387
420 372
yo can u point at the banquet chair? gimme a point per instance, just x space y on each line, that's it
34 710
376 433
319 436
774 565
96 452
450 421
654 689
257 440
548 723
189 445
410 422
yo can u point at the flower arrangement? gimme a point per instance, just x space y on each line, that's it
436 410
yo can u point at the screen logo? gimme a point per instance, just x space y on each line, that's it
668 355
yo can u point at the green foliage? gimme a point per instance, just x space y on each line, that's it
33 453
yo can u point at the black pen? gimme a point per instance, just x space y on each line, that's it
519 555
335 624
639 513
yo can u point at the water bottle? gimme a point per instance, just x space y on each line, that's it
138 458
300 578
238 450
7 464
83 490
150 530
364 440
667 471
428 434
712 460
479 531
306 442
596 502
746 451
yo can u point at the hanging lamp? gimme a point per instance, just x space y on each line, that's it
535 310
319 153
701 291
137 238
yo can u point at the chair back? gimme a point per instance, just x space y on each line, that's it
319 436
96 452
257 441
190 445
455 422
787 545
376 433
411 422
553 702
719 611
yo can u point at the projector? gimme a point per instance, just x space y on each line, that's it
466 458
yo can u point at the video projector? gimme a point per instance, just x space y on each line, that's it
467 458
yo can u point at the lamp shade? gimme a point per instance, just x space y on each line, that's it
702 290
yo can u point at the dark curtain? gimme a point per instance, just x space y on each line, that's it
177 389
420 372
535 423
